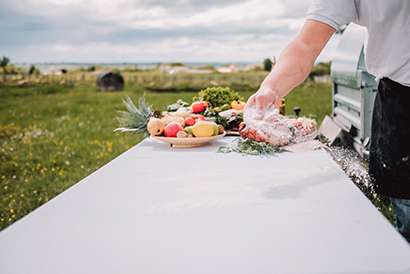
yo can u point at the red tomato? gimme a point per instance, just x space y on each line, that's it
198 117
189 121
193 118
198 107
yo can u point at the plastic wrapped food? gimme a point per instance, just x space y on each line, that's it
270 127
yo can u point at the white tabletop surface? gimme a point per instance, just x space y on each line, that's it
157 209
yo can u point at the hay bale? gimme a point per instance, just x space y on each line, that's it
110 81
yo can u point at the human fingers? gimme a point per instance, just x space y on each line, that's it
265 98
250 109
250 103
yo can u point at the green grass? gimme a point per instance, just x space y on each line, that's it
51 140
52 136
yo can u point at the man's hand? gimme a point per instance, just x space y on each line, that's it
263 98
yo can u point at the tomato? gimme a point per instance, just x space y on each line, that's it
198 117
198 107
193 118
189 121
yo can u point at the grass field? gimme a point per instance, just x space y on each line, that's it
53 135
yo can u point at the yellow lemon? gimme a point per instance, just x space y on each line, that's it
203 129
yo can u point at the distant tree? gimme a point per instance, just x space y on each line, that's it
267 64
3 64
32 69
320 69
207 67
177 64
92 68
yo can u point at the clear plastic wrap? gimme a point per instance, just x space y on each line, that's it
270 127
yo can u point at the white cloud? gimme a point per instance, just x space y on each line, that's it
148 30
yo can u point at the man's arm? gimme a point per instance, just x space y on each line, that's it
293 65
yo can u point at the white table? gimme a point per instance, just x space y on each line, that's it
157 209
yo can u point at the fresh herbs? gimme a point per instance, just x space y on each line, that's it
323 139
220 120
250 147
239 118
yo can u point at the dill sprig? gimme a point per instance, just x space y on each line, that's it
323 139
250 147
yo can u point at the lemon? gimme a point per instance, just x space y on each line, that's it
203 129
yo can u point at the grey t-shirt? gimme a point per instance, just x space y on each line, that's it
387 50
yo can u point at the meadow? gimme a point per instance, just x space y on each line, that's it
54 135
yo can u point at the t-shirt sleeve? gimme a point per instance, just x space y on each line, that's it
333 12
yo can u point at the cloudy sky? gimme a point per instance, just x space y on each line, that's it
135 31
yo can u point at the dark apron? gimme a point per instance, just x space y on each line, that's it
389 163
